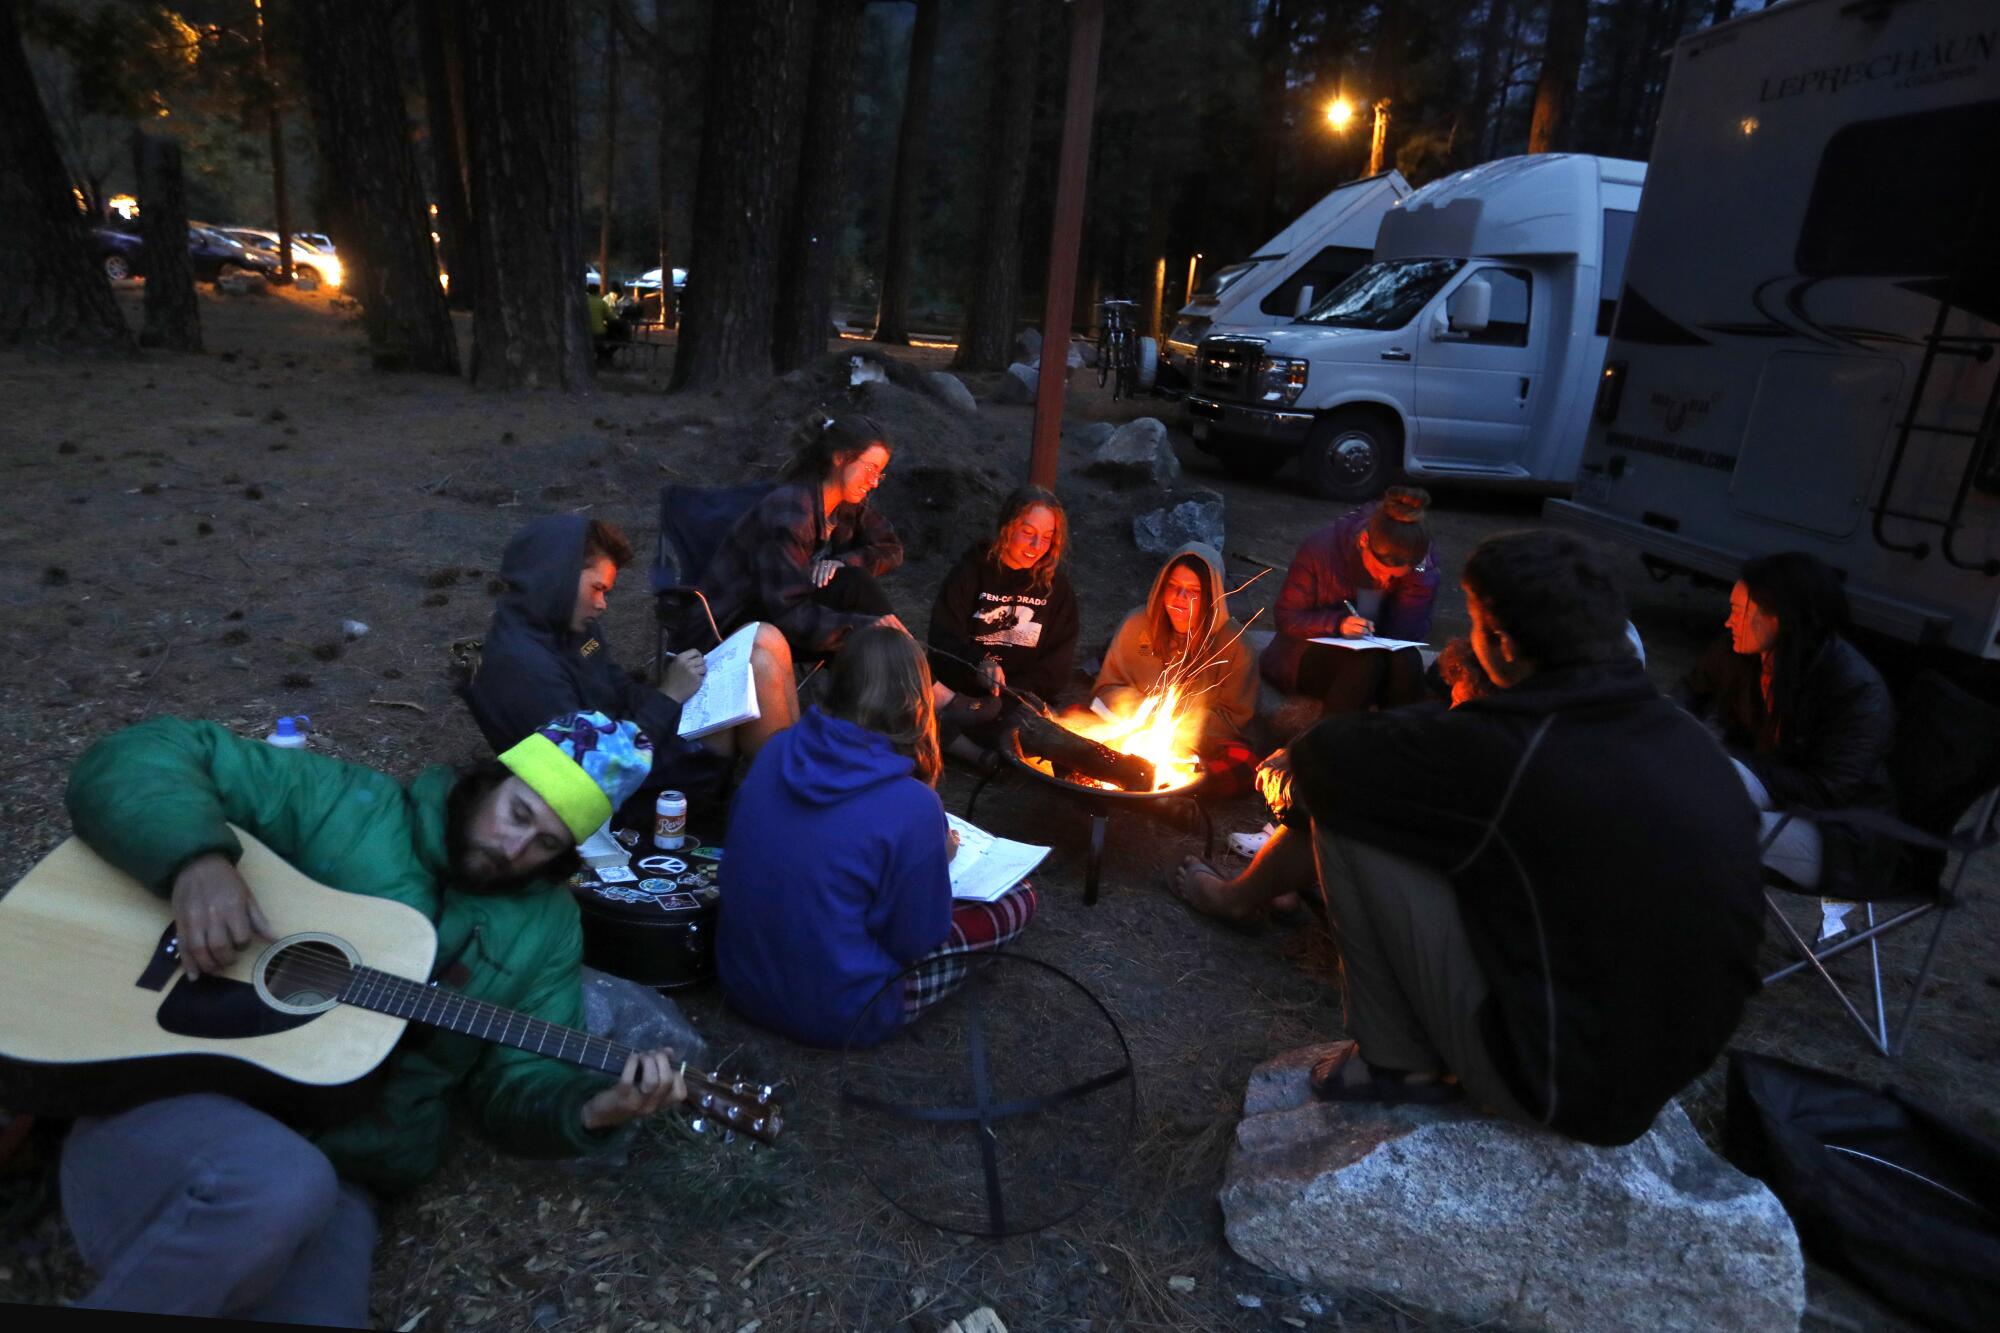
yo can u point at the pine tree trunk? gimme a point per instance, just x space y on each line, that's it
992 307
275 123
1270 137
440 49
50 290
1555 90
173 316
666 83
749 163
1492 32
804 314
370 182
528 327
610 149
892 316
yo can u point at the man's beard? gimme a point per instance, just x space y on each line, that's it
479 870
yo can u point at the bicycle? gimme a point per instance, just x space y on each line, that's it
1118 349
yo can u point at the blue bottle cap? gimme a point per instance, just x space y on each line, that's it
289 726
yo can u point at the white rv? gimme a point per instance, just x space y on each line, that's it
1807 356
1467 350
1280 282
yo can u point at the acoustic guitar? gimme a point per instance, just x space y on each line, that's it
96 1014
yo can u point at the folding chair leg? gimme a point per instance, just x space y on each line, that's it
1879 1042
1875 972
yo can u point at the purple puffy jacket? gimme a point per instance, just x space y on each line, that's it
1328 570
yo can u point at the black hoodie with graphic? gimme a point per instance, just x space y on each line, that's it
534 667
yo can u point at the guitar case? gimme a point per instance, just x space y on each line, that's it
657 929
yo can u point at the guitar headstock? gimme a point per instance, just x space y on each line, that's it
735 1107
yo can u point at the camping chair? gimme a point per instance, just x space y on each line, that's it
694 520
1945 760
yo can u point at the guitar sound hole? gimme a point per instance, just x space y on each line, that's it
307 974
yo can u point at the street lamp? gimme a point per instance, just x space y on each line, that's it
1338 113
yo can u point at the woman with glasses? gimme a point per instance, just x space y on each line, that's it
1370 573
1184 636
806 556
1004 625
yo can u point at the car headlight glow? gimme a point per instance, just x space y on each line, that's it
1281 379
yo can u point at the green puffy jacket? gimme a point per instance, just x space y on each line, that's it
154 796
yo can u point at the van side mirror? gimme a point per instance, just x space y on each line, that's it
1305 302
1470 307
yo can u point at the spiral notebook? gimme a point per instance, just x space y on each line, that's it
987 866
728 696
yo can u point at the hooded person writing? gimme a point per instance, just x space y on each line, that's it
1184 634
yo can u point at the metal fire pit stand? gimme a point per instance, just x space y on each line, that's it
1100 802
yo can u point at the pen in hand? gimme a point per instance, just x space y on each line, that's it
1353 614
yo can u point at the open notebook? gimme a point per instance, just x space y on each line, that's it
728 696
1370 641
986 866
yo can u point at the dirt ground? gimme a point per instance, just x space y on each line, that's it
188 535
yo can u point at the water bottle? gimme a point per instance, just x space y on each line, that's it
290 733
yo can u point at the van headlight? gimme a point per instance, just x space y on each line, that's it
1280 380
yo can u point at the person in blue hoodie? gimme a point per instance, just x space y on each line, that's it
836 874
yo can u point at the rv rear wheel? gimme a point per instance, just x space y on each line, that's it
1352 456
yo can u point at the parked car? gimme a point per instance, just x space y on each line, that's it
325 268
119 250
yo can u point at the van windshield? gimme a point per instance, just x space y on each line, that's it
1385 295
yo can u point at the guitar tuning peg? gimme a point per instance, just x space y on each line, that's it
764 1092
699 1125
737 1087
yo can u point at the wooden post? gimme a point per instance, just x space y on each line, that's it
1065 236
1160 299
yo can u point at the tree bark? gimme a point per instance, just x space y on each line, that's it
50 291
892 316
610 147
1555 91
275 122
1492 32
173 316
749 164
371 184
440 49
528 327
804 314
992 306
1269 137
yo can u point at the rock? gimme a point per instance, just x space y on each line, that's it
1018 385
1489 1222
1088 434
638 1016
1082 354
982 1320
1188 516
1137 451
1028 346
354 629
863 370
951 389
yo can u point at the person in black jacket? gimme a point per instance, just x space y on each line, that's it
544 654
1805 716
1004 619
1548 896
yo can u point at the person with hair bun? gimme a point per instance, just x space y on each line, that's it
806 556
1004 625
837 872
1371 571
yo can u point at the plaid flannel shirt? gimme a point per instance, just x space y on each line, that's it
763 569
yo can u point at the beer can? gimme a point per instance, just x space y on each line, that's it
670 817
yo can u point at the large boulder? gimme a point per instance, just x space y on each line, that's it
1137 451
1028 346
951 389
1489 1222
1088 434
1188 516
1018 385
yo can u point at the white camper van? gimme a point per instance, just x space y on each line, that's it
1468 349
1280 282
1807 356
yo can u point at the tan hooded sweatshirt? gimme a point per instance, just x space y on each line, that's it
1227 688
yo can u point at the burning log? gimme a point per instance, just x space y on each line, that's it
1043 738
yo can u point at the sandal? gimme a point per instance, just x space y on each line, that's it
1343 1075
1181 885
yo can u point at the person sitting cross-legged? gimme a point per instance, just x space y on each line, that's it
837 872
200 1204
1546 899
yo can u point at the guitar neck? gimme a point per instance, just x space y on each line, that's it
436 1007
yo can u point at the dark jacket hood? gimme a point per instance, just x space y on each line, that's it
827 760
540 568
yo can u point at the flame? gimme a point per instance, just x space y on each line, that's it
1164 728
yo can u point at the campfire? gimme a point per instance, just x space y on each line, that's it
1161 731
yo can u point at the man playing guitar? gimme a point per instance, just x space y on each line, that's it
204 1205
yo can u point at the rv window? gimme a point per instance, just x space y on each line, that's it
1218 282
1385 295
1901 196
1507 325
1326 271
1611 270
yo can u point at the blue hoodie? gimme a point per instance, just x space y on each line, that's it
836 877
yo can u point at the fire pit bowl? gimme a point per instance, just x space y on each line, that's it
1099 803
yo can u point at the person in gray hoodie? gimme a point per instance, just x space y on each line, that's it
544 654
